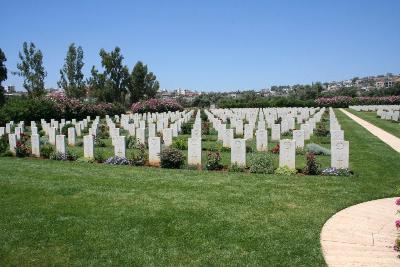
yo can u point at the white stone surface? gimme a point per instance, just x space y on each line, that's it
275 132
154 151
119 147
71 136
262 140
340 154
88 146
194 151
238 152
35 144
287 153
167 136
298 136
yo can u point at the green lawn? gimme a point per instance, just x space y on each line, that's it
75 213
389 126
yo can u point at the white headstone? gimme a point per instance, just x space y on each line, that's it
167 136
71 136
154 151
140 136
52 135
88 146
340 154
238 152
34 130
12 141
119 147
194 151
298 136
248 131
287 153
35 143
262 140
78 129
152 130
275 132
60 143
228 137
337 135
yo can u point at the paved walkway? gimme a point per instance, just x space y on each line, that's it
386 137
361 235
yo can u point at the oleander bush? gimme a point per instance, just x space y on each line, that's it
54 106
156 105
261 163
317 149
172 158
345 101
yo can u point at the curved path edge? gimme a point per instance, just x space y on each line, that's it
361 235
388 138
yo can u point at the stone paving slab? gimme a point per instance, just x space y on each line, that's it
388 138
362 235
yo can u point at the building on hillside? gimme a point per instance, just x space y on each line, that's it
384 83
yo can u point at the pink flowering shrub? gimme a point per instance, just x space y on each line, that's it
345 101
69 108
156 105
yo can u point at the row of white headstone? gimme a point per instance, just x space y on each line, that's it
385 112
287 155
169 124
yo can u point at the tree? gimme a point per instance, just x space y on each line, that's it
31 68
97 86
71 74
143 84
3 76
116 75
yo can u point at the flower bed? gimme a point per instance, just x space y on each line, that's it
156 105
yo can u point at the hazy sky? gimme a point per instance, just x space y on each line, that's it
213 45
